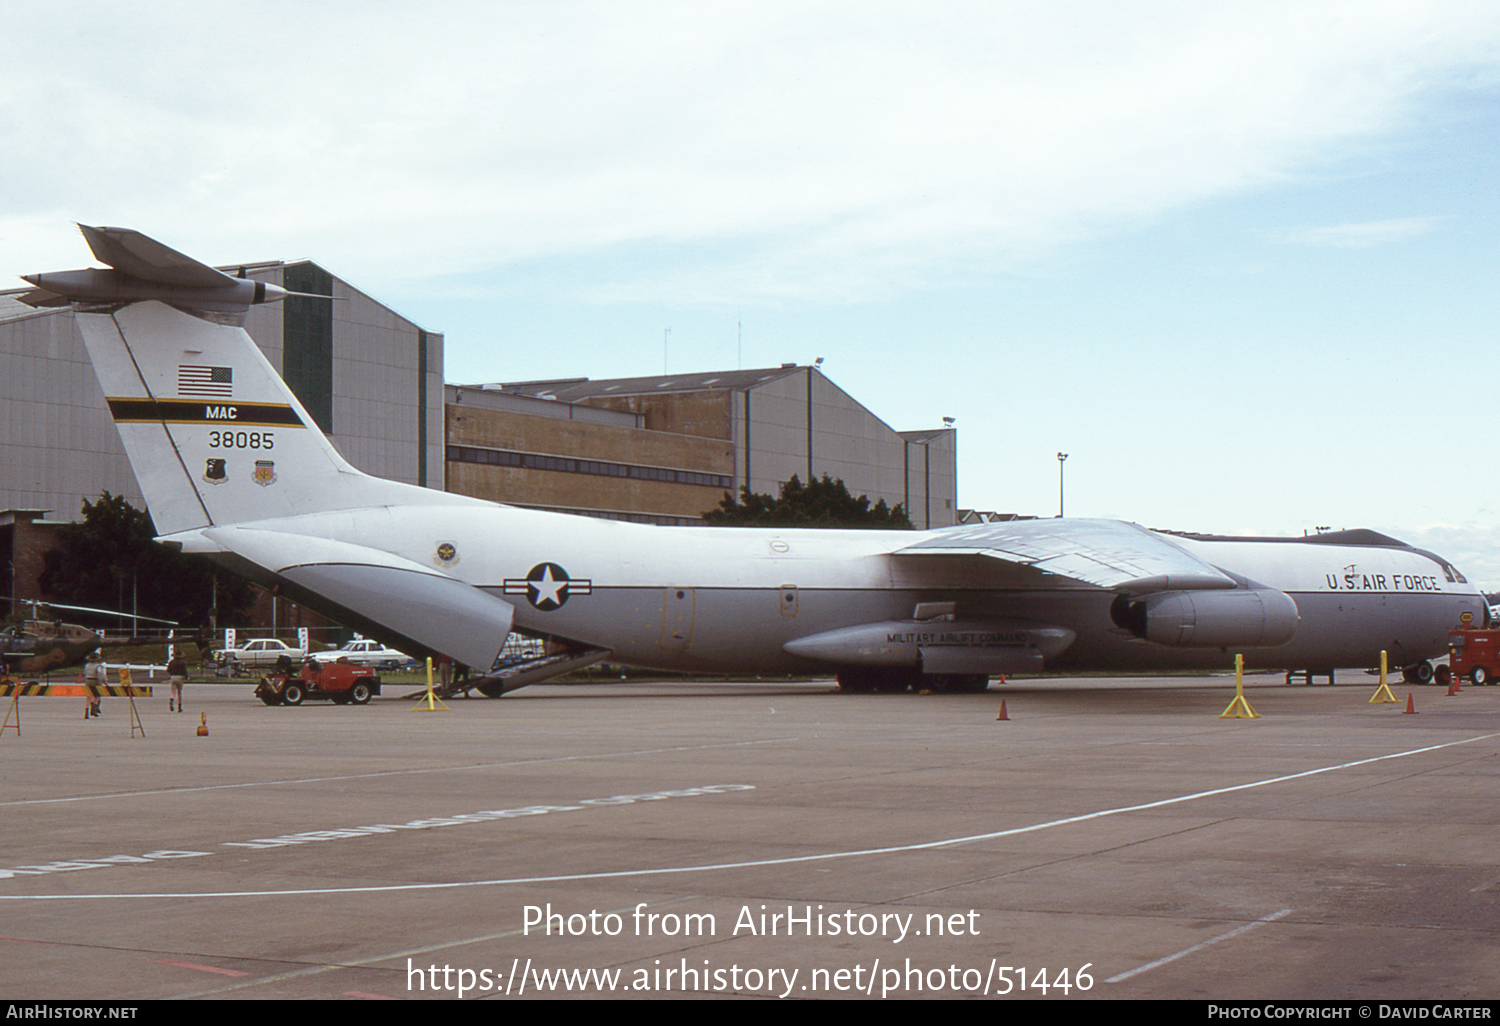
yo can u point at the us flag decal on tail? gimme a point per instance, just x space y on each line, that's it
210 382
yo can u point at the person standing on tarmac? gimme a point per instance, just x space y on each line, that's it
176 677
94 677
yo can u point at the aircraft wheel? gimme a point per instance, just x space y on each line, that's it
1480 676
1443 675
359 694
292 695
1423 672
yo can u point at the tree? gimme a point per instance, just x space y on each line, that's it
825 503
109 560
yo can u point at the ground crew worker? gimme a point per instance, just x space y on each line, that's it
94 678
176 677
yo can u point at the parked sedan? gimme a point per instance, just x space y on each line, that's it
260 654
365 653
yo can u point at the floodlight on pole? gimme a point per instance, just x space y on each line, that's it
1061 458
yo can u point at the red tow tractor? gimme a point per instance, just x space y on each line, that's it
340 683
1472 655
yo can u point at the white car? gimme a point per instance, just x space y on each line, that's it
260 653
365 653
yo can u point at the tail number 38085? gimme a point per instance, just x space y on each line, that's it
241 440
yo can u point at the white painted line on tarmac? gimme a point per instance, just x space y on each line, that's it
1246 928
458 767
760 863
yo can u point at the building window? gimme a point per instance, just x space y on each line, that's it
599 468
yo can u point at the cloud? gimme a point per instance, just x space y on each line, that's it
795 149
1359 234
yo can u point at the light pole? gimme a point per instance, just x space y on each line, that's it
1061 458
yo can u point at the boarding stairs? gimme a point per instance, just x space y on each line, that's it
518 673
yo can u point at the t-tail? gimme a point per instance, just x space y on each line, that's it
215 437
232 465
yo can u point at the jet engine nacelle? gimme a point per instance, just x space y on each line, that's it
1242 618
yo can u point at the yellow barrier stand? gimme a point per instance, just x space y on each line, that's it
127 685
1239 709
434 704
1382 693
33 689
15 707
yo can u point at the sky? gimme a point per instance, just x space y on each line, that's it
1238 261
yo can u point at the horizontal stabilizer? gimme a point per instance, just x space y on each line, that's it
142 269
145 259
406 601
1105 553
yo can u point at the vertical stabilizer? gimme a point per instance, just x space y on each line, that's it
214 435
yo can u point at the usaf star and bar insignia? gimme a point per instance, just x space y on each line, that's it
547 586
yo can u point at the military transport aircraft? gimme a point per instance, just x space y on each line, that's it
232 466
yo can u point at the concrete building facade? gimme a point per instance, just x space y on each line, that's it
666 449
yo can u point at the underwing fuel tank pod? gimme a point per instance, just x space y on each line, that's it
939 647
234 468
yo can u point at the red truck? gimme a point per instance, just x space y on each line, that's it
340 683
1472 654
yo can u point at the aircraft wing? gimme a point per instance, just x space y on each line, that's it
1105 553
144 258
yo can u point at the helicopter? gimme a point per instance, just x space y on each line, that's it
40 645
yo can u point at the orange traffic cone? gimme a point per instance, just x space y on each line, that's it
1410 705
1002 715
203 725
